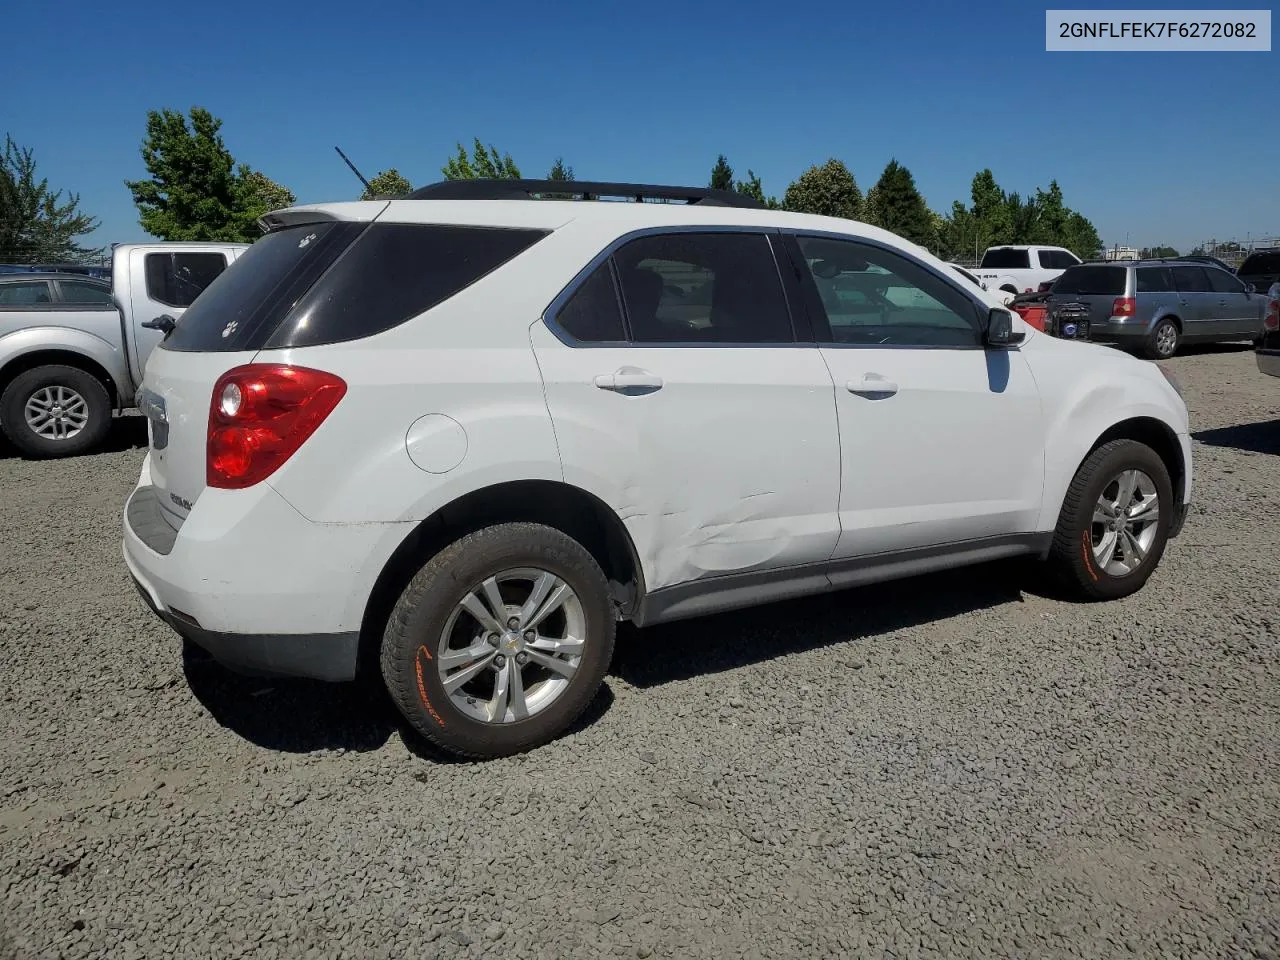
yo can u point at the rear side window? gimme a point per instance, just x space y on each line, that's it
1006 259
176 279
1085 281
25 293
81 291
592 314
394 272
1155 280
1223 282
1191 280
248 301
703 288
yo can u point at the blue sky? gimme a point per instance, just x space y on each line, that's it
1161 147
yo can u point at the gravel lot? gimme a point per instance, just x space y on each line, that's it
945 767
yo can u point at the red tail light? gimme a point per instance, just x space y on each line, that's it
260 414
1124 307
1272 321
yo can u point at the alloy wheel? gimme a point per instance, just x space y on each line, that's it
1124 523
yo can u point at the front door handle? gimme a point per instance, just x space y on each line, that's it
872 385
628 379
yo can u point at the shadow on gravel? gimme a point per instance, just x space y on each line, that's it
1253 437
678 651
1209 349
127 433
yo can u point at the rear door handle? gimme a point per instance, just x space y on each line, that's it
628 380
872 385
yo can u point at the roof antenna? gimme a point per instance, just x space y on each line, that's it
354 170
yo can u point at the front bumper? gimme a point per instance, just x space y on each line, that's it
253 582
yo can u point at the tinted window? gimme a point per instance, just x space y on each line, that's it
1088 280
592 314
27 293
703 288
1154 280
176 279
872 296
393 272
1223 282
1005 259
252 296
1260 263
78 291
1191 280
1060 259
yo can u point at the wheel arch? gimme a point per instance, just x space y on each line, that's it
60 357
565 507
1157 435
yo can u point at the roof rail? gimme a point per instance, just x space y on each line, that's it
583 189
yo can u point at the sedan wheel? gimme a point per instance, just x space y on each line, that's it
1125 522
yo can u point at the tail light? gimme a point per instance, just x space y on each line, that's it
260 414
1124 307
1272 321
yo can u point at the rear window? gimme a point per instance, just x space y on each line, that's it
1006 259
328 282
1260 263
1084 281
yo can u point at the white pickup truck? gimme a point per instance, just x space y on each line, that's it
73 349
1021 269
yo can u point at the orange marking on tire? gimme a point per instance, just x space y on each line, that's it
422 687
1088 560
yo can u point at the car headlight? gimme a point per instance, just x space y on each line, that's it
1173 381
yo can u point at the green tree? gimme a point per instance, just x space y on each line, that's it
721 174
1080 236
751 187
36 223
560 172
387 185
196 191
829 190
485 163
1148 253
895 204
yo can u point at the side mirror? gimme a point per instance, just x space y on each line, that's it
1250 288
1000 329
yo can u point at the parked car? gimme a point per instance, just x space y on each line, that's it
1267 346
1156 305
73 349
1022 269
457 442
1261 269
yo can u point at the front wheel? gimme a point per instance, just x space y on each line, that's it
1114 523
1163 341
500 641
55 411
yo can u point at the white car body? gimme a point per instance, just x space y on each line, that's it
1036 265
738 474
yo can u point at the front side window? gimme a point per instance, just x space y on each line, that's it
25 293
1223 282
703 288
873 296
176 279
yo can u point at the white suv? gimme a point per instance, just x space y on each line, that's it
456 437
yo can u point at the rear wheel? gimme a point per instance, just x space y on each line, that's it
55 411
500 641
1163 341
1114 523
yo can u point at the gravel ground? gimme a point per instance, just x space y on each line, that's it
944 767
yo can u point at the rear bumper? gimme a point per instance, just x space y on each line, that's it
1118 331
1269 361
256 584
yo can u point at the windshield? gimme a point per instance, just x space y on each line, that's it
1083 281
1006 258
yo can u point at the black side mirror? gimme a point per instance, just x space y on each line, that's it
1000 329
1250 288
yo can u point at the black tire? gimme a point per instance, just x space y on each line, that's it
13 403
1152 349
1071 558
421 614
